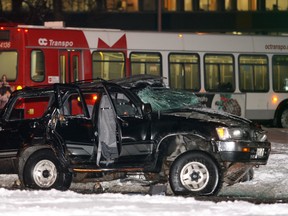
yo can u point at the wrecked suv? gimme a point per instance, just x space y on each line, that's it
98 131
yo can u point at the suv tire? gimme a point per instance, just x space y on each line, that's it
43 171
194 174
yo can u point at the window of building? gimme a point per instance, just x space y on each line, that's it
247 5
253 73
230 5
219 73
146 63
188 6
8 60
276 5
38 5
108 65
208 5
149 5
280 73
37 66
80 6
170 5
6 5
184 72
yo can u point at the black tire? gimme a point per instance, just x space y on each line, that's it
283 119
43 171
195 174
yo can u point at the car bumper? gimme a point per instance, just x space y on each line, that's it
240 151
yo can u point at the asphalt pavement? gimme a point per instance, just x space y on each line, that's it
277 135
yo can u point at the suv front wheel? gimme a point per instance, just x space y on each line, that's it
194 174
43 171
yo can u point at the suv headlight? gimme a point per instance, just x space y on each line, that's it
225 133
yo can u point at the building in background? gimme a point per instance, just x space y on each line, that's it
245 16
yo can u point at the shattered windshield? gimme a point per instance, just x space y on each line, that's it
166 99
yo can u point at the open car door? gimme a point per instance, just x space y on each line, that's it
123 131
74 124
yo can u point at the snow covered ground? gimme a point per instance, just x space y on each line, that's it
270 183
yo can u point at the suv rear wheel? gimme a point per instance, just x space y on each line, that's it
43 171
194 174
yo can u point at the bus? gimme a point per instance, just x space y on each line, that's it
246 75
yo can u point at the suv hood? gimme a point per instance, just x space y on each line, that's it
207 114
185 104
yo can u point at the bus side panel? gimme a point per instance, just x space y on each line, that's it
51 42
258 106
227 102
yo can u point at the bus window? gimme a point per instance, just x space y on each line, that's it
219 73
75 68
62 67
37 66
184 71
108 65
253 73
8 62
146 63
280 73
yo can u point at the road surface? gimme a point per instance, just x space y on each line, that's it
277 135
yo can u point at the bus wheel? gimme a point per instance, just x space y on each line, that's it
43 171
194 174
284 119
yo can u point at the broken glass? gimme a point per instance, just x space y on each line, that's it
166 99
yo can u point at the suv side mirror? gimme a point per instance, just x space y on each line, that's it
146 108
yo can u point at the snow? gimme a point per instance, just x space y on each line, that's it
270 183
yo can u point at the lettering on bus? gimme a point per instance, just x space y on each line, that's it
5 44
54 43
276 47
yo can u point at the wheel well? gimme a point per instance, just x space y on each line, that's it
175 145
281 107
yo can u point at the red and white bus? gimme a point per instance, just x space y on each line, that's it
245 75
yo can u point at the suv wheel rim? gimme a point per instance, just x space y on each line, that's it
194 176
45 173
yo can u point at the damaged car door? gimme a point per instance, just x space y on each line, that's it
74 126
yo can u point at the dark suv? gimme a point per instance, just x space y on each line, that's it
103 130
